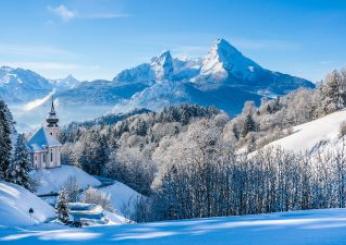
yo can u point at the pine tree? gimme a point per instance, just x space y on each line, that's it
332 99
5 140
249 125
18 171
62 208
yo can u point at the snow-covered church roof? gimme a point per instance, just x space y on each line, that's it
42 139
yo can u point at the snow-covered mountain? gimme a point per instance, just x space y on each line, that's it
20 85
68 82
224 78
225 65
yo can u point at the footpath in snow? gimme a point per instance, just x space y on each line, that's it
315 227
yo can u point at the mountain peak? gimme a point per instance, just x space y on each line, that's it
163 58
66 83
221 46
224 60
163 65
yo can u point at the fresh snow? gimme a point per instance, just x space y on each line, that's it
123 198
313 227
95 214
307 136
51 180
15 202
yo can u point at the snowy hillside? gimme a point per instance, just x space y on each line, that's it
123 198
51 180
309 135
15 202
313 227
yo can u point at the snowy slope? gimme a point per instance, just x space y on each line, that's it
123 198
308 135
15 202
51 180
313 227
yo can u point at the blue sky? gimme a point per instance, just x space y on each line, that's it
98 38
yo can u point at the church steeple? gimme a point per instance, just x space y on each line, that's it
52 119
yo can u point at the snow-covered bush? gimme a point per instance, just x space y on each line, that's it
95 196
72 189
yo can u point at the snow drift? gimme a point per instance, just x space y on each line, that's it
315 227
15 202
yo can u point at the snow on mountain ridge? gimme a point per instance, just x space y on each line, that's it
68 82
206 81
163 66
21 85
225 62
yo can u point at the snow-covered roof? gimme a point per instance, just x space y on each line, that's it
42 139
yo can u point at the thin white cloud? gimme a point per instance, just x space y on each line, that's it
32 50
67 14
63 12
41 65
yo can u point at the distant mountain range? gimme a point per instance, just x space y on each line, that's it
224 78
19 85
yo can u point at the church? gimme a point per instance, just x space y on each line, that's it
45 148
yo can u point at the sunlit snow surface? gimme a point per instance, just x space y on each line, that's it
52 180
323 132
301 227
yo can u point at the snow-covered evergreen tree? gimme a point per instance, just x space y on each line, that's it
5 140
18 171
62 207
249 125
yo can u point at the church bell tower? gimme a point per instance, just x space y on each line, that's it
52 122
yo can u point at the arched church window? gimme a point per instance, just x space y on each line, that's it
51 155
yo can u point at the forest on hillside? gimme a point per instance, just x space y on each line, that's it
192 161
